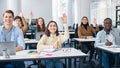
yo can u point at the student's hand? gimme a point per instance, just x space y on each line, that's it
31 14
20 14
30 17
89 37
94 21
56 46
64 18
108 43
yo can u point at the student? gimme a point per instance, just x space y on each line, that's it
108 36
40 23
52 39
8 32
85 31
20 22
40 26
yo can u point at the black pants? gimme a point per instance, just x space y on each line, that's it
87 46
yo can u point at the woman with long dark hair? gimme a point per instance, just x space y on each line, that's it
40 23
52 39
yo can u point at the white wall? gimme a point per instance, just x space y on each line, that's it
83 9
43 8
3 6
40 8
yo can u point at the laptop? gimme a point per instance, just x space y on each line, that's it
10 46
39 35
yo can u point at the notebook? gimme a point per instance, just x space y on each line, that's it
10 46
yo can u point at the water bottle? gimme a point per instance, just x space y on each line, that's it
5 53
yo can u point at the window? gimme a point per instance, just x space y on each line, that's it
100 9
63 6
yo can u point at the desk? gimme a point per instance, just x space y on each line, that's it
70 32
115 51
84 40
59 54
29 42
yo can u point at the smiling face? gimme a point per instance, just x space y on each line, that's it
8 18
17 22
52 27
84 20
107 24
40 22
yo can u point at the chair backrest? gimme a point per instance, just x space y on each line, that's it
76 31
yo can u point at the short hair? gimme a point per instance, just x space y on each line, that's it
47 32
18 17
110 20
9 11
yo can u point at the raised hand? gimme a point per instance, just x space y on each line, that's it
31 14
94 21
64 18
20 14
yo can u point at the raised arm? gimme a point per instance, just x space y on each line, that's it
97 27
66 33
25 25
30 18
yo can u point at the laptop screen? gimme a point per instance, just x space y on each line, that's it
10 46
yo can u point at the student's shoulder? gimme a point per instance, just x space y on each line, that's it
116 30
16 29
101 31
45 36
0 28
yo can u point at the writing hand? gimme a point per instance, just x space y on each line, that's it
108 43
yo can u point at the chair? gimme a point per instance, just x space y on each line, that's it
35 62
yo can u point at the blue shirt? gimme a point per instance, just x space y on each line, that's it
16 35
101 36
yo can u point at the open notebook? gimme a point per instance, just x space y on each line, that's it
49 50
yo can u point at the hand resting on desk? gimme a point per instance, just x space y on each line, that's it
113 46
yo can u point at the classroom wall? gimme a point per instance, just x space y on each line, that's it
43 8
3 6
40 8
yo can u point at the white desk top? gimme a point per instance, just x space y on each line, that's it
109 49
84 40
62 53
69 32
30 41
